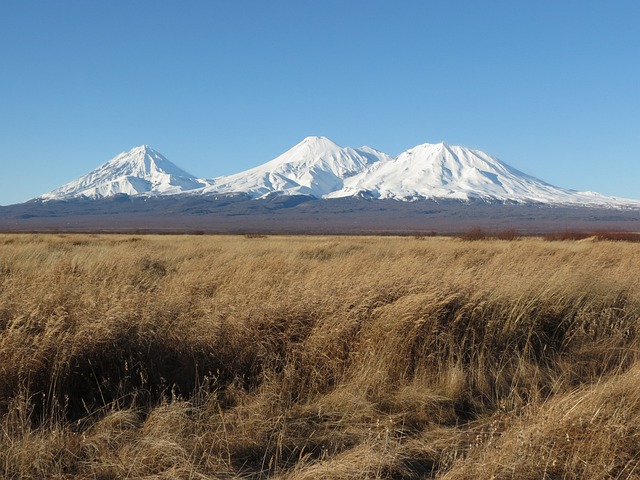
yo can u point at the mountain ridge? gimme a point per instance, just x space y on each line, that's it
318 167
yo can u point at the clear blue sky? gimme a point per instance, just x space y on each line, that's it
550 87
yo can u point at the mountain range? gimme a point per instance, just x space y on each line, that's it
319 168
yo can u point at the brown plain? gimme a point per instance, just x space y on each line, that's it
318 357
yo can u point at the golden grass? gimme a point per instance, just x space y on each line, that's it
318 357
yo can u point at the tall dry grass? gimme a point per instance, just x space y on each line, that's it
318 357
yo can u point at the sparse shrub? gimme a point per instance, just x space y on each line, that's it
598 235
618 236
509 234
565 235
255 235
476 233
422 236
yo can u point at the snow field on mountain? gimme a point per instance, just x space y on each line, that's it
140 170
320 168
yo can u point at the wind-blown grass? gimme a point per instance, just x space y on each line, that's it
318 357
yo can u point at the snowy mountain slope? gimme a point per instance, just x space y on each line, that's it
141 170
320 168
316 166
459 173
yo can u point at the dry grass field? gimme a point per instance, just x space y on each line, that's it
197 357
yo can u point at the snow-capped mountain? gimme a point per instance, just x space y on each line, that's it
320 168
141 170
441 171
316 166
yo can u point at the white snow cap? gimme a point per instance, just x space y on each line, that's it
141 170
320 168
315 166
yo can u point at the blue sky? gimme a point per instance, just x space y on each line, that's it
550 87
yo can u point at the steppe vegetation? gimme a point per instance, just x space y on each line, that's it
318 357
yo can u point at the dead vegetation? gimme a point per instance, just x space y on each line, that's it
318 357
598 235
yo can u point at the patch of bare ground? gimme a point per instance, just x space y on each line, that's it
318 357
